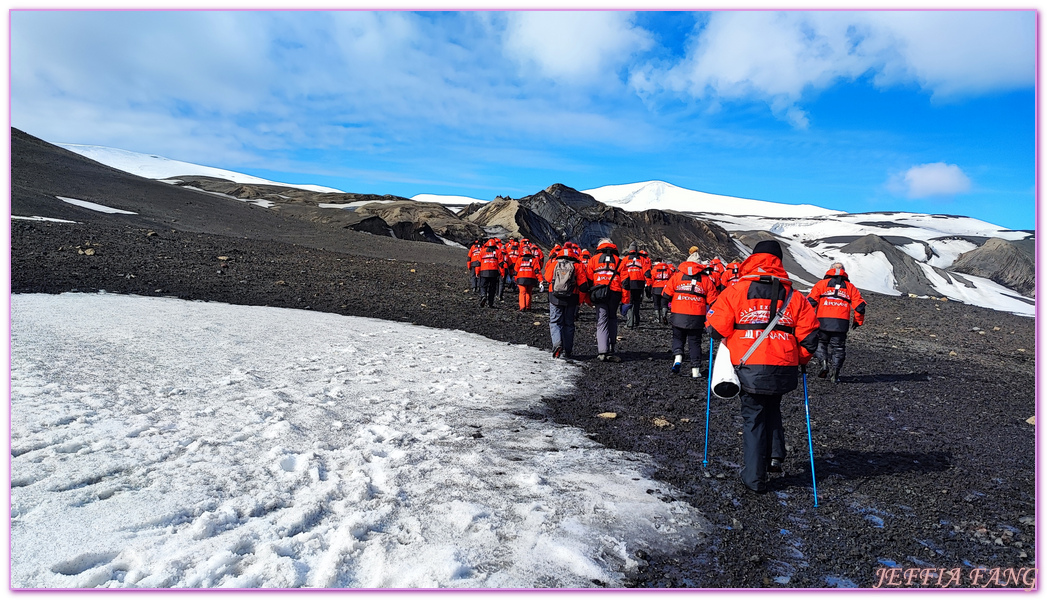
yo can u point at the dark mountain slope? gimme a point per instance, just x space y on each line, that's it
560 213
41 172
1007 263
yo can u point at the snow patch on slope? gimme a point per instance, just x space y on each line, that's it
163 443
152 166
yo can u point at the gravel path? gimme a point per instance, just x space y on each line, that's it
923 453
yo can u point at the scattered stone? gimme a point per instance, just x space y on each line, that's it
223 258
1031 420
953 353
150 233
608 415
281 282
661 423
537 322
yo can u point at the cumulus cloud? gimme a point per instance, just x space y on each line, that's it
243 84
930 180
778 57
574 46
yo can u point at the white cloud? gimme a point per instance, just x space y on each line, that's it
957 52
240 88
930 180
580 46
778 57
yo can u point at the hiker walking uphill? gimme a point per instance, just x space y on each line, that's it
528 275
491 269
635 271
660 274
833 298
567 279
770 330
473 264
690 292
606 294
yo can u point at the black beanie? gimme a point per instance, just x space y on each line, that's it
771 247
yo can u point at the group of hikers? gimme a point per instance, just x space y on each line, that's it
770 329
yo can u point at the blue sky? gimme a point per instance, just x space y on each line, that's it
924 111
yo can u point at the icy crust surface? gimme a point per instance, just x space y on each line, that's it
165 443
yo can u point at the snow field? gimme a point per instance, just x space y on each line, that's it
163 443
158 167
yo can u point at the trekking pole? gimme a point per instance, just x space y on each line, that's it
810 440
708 399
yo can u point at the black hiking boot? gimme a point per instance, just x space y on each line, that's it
823 367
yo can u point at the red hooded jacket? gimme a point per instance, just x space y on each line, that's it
833 298
742 312
691 291
603 267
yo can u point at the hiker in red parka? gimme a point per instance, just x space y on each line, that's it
511 250
716 272
528 276
492 267
473 264
691 291
660 274
833 299
739 317
635 271
566 279
606 294
730 275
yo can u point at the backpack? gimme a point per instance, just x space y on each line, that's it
564 284
601 291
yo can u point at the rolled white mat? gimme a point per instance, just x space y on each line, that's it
725 380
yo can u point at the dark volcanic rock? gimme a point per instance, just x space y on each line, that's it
907 272
560 213
423 221
1007 263
751 238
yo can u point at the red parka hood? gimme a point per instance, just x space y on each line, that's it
690 267
836 273
607 246
759 265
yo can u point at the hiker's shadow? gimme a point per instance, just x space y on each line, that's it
885 378
842 463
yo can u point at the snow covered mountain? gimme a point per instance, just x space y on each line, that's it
886 252
666 196
158 167
892 253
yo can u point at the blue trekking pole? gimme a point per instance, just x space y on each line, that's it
810 440
708 399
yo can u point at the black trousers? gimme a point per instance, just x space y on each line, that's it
660 302
632 318
832 346
692 338
763 435
490 285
